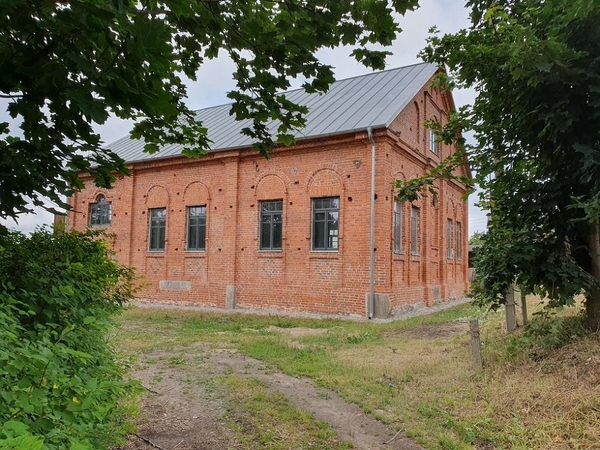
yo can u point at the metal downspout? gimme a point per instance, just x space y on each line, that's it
372 262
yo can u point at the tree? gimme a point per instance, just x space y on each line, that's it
477 238
69 64
536 119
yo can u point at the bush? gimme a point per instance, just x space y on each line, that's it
60 384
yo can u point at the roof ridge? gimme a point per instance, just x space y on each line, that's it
351 104
364 75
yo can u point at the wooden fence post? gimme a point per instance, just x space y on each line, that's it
511 314
524 307
476 344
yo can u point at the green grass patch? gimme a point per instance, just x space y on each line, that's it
262 419
414 374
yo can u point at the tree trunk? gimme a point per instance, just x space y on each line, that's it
592 301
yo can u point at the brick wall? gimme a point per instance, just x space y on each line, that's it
231 184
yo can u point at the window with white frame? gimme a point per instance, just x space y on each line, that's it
326 216
196 228
271 224
100 212
414 230
157 228
398 249
434 146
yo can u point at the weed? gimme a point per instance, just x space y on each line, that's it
177 361
360 338
210 386
324 395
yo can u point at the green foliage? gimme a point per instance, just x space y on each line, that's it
476 238
536 118
360 338
69 65
59 382
414 188
547 331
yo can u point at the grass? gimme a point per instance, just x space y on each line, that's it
415 374
264 420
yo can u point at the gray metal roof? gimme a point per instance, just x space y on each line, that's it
372 100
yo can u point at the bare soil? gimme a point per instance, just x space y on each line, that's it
181 411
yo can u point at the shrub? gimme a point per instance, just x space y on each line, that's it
60 384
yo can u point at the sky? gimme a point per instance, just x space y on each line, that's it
212 84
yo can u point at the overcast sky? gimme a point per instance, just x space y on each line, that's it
214 81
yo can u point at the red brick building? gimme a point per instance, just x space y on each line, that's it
235 230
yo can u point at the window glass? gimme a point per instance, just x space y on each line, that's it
449 250
271 224
398 227
196 232
158 220
100 212
433 144
326 214
414 230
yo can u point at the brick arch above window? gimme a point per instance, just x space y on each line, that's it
271 185
450 208
196 192
458 211
96 194
397 176
325 182
400 176
157 196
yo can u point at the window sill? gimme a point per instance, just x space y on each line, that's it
156 252
195 253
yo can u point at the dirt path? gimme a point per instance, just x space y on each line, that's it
178 412
182 413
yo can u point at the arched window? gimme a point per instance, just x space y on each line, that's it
100 212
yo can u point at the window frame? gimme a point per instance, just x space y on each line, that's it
434 146
200 229
332 241
449 239
415 213
102 209
397 230
152 228
458 240
272 215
